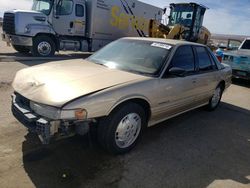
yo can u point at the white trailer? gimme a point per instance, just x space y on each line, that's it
78 25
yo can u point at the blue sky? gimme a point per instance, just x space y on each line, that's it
223 17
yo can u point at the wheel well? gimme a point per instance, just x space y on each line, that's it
53 37
143 103
223 84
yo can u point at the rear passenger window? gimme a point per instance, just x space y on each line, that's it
205 63
79 10
184 58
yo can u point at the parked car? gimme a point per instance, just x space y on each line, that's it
239 60
130 84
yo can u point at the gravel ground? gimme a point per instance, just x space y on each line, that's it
196 149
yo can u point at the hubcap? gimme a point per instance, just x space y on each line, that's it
44 48
216 97
128 130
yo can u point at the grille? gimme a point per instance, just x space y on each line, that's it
22 100
9 23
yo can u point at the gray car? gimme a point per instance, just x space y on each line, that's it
130 84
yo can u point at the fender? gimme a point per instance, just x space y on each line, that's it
128 98
35 29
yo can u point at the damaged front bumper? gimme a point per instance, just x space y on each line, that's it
45 128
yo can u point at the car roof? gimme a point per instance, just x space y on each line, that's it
162 40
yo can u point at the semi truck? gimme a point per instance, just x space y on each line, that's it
78 25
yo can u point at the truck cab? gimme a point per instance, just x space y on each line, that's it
189 15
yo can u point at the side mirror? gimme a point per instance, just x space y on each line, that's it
176 71
164 10
55 13
55 10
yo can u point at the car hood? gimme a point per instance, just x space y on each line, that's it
60 82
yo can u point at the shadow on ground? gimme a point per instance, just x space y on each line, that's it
193 150
241 82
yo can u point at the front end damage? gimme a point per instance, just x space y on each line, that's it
46 129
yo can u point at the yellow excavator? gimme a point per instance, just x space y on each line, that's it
184 23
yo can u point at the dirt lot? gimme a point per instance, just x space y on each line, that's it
196 149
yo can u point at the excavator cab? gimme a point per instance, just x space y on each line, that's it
188 15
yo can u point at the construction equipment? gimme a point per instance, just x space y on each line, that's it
184 22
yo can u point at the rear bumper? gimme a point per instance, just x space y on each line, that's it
17 40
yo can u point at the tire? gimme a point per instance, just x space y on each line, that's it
116 134
21 49
43 46
216 98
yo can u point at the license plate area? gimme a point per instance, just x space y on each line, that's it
241 73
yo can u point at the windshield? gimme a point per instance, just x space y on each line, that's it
137 56
181 14
246 45
43 6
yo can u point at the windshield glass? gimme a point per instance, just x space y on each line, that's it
137 56
181 14
43 6
246 45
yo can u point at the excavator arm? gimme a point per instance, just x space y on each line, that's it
158 30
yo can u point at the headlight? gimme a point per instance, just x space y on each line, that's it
45 110
55 113
27 29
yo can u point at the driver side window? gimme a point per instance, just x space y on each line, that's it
64 7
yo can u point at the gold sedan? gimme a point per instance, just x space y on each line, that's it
128 85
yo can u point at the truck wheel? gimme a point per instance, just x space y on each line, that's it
21 49
43 46
119 132
216 98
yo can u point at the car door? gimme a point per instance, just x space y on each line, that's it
175 93
207 76
69 18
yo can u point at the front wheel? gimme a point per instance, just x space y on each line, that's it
216 98
43 46
120 131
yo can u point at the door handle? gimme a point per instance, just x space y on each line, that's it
194 80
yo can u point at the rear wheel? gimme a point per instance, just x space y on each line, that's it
120 131
216 98
43 46
21 49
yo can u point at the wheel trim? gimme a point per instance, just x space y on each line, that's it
216 97
128 130
44 48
